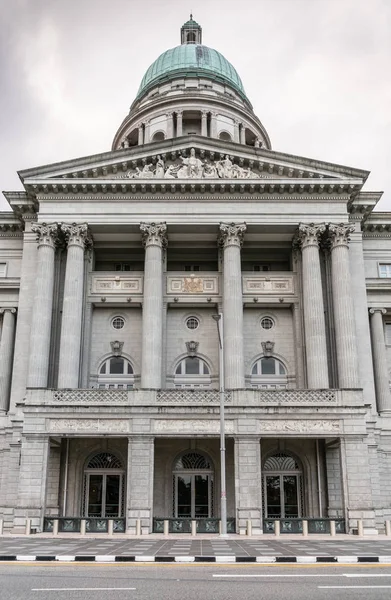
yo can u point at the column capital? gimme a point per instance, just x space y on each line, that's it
374 310
76 234
339 234
204 113
309 234
47 233
231 234
12 310
179 113
154 234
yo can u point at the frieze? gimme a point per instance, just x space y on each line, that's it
89 425
309 426
191 426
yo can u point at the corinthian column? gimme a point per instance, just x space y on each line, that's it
179 121
345 333
43 301
314 322
231 239
69 362
204 123
154 240
380 367
6 355
140 135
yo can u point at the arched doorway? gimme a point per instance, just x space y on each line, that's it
193 475
104 486
282 487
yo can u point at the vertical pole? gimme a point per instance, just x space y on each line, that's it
223 497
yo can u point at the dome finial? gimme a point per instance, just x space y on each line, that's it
191 32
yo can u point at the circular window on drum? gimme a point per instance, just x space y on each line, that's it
267 323
192 323
118 323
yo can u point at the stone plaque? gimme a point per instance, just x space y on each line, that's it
192 285
116 284
89 425
292 426
190 426
268 285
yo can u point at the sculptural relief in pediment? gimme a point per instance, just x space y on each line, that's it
191 167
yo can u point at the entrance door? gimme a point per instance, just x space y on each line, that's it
193 486
282 496
282 484
104 493
193 495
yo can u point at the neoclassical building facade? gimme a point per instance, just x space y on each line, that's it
112 267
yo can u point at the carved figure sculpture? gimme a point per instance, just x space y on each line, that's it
192 167
146 173
224 167
159 172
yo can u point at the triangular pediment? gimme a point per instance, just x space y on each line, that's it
192 158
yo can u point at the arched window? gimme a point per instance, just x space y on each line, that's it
104 489
268 373
116 373
193 486
224 135
282 487
158 136
191 37
192 372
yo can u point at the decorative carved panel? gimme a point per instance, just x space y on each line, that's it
272 284
191 426
302 426
116 284
192 285
89 425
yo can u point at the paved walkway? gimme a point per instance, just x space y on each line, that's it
234 547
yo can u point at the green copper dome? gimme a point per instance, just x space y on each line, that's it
189 60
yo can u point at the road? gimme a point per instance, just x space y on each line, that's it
51 581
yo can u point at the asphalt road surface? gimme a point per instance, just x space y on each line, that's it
50 581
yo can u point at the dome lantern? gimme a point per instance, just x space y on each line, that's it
191 32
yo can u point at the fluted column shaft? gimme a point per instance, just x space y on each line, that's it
204 123
345 332
236 132
383 396
154 239
179 121
6 355
147 132
41 323
314 321
71 327
242 134
231 238
140 135
213 125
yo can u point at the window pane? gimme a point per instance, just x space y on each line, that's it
206 370
112 495
95 496
130 370
103 369
116 366
268 366
184 496
282 369
255 369
192 366
178 369
290 494
201 495
273 496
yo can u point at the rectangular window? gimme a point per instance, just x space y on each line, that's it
385 270
3 269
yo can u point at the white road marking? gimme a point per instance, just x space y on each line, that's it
270 575
354 587
110 589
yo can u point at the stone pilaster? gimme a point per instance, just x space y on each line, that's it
140 135
345 333
179 123
43 302
380 366
6 355
236 132
170 125
140 483
231 239
154 239
204 123
314 323
71 326
147 132
248 484
242 134
213 125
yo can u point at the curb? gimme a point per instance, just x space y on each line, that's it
109 558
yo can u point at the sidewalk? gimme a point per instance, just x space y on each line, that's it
203 548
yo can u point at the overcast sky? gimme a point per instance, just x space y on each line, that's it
318 73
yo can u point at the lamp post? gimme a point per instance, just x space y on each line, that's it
223 495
